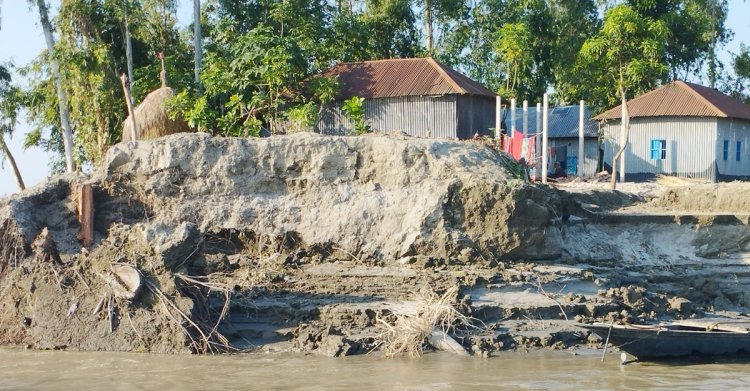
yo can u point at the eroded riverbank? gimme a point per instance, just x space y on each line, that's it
320 244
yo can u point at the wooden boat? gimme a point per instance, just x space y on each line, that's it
703 337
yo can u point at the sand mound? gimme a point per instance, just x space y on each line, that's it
198 217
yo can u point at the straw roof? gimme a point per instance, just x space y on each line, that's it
152 119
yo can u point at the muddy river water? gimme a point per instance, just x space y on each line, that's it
547 370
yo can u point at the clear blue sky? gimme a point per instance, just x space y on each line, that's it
21 40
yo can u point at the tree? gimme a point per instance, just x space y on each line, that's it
197 40
438 16
512 48
391 27
696 28
9 106
128 41
62 98
741 66
574 22
628 55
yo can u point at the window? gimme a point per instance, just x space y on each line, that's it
726 149
739 148
658 149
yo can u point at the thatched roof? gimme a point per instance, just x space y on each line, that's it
152 119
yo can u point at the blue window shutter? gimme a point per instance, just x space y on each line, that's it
726 149
739 149
658 149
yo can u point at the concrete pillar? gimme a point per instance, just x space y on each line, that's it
581 156
545 132
525 118
538 132
498 117
623 144
512 127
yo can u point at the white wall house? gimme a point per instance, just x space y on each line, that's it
682 129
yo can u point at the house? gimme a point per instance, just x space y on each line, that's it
682 129
418 96
562 138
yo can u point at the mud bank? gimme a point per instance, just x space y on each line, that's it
313 243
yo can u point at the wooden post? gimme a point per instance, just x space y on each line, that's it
581 152
545 132
129 102
512 127
498 117
86 214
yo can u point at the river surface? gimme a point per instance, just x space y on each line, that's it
545 370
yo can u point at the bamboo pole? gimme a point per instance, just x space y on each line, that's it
129 102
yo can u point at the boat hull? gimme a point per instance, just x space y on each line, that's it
654 343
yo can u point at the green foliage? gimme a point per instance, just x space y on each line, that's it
11 99
512 47
626 57
696 28
303 116
247 87
261 56
741 66
354 110
391 29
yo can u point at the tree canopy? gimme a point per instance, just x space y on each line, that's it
261 58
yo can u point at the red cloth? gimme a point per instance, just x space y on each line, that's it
514 147
517 145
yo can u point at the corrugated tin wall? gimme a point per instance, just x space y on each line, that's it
590 151
476 114
420 116
690 146
733 130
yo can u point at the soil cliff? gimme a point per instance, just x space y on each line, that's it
185 207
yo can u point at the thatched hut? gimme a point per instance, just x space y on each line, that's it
152 119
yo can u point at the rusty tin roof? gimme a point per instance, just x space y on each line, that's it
402 77
682 99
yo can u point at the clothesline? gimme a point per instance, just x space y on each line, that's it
521 147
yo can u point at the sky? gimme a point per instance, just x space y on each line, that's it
21 40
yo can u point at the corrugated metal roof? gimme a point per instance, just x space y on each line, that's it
562 121
402 77
682 99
